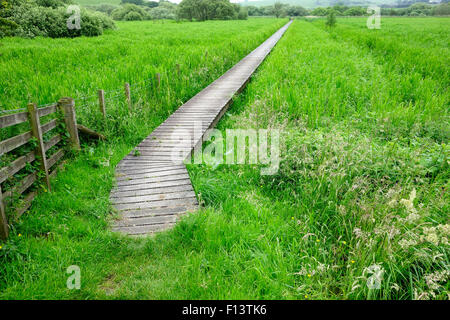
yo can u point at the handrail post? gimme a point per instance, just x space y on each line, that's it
128 95
101 102
67 106
36 130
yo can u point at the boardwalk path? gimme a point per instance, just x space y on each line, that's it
153 187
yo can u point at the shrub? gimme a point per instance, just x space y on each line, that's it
33 21
7 27
123 13
133 16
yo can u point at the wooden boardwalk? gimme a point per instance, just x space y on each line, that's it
153 186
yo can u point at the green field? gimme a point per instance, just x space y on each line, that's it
363 182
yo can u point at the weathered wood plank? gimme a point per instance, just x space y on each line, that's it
16 165
14 142
145 192
47 110
13 119
52 142
156 204
55 158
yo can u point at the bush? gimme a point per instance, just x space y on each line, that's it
7 27
133 16
33 21
243 14
130 12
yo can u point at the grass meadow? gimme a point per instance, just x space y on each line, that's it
362 186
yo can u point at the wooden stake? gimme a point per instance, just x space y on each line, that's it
158 80
128 95
67 106
101 102
36 130
3 221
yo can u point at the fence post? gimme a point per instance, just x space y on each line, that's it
3 221
67 106
101 102
158 80
36 130
128 94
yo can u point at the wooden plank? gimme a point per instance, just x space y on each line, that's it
22 185
55 158
49 126
156 204
154 197
52 142
148 229
142 175
13 119
176 210
142 221
14 142
130 181
145 192
146 186
37 133
47 110
16 165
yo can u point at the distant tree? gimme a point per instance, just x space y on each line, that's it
296 11
319 12
136 2
331 19
207 10
442 10
243 13
152 4
277 9
355 11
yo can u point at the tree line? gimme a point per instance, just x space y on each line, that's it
285 10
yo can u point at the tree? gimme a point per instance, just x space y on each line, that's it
202 10
296 11
277 9
331 19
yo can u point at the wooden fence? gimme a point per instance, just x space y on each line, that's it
47 164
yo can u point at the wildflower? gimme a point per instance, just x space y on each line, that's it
1 247
306 296
344 242
309 275
353 261
20 234
317 240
